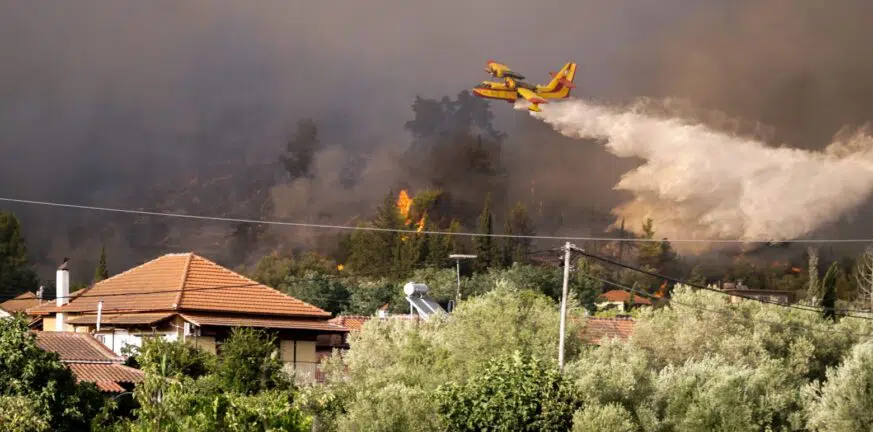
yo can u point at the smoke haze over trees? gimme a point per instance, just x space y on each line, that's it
187 108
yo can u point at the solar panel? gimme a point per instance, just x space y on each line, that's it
425 306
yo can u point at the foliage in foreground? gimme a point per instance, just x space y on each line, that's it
701 363
398 363
242 389
517 393
705 364
36 390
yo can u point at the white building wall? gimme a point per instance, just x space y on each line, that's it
119 338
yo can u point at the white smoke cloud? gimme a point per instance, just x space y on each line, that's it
699 183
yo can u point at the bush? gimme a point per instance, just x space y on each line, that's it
512 393
845 403
27 373
249 362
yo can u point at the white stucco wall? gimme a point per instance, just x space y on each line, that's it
119 338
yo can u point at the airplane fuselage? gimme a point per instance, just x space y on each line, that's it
513 88
490 93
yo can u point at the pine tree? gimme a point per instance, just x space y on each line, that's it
656 255
438 247
516 250
301 149
102 271
697 277
379 253
453 242
485 247
649 251
828 301
813 290
15 273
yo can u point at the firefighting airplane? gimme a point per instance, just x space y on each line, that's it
514 86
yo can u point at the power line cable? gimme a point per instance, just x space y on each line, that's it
187 290
316 278
732 315
408 231
679 281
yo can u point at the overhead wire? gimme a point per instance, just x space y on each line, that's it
316 278
837 311
732 315
411 231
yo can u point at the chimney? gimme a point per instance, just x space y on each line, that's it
62 282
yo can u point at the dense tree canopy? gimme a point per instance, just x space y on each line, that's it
15 273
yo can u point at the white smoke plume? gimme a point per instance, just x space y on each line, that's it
700 183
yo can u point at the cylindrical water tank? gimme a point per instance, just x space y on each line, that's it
414 288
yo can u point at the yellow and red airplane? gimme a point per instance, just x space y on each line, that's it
513 85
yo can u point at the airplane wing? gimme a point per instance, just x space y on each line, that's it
530 95
534 99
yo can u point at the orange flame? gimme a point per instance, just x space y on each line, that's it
421 223
796 269
404 203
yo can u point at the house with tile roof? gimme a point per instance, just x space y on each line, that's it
621 300
20 304
597 330
186 296
90 361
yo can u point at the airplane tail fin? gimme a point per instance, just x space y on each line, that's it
561 84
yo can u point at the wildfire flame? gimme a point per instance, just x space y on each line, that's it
340 267
420 223
404 205
796 269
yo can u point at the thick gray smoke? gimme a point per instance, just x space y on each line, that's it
141 104
699 183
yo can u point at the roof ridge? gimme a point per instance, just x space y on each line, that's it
244 277
352 316
130 270
75 295
185 271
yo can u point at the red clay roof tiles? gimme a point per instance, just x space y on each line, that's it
90 360
106 376
184 282
352 322
75 347
20 303
623 296
596 329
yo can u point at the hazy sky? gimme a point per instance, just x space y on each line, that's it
99 97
